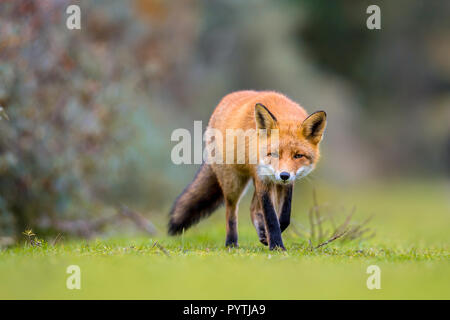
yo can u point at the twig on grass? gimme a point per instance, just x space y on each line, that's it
160 247
57 238
330 240
322 233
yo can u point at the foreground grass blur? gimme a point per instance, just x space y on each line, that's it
411 248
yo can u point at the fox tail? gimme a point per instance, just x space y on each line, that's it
198 200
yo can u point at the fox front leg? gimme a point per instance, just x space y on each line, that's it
285 214
272 223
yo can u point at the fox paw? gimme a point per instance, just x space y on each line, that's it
277 246
263 241
231 244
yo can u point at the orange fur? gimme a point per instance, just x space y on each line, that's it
298 152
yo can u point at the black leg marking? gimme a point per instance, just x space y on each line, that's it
232 237
285 216
272 223
261 229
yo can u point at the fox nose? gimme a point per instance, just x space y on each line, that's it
284 175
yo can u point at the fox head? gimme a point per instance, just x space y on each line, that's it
297 151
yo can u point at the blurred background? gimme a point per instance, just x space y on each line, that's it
89 113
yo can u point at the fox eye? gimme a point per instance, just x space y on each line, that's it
298 156
272 154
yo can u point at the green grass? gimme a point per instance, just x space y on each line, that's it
411 248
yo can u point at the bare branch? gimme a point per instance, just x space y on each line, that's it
330 240
160 247
138 219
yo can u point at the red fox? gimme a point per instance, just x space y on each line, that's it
273 175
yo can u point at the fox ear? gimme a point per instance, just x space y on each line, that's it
264 118
314 126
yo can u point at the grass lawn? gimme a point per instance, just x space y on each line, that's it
412 221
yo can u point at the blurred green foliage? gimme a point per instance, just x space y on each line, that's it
81 133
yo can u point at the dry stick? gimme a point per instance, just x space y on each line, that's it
58 236
330 240
359 234
358 231
346 222
138 219
345 230
366 222
160 247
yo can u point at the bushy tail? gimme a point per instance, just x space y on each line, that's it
197 201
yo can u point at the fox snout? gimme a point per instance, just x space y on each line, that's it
267 172
284 175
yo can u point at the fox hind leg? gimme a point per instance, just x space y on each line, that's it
258 219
